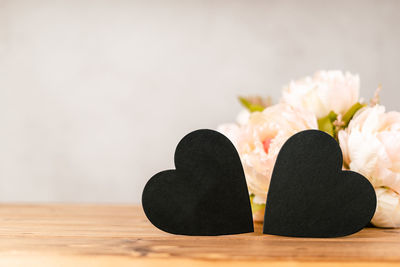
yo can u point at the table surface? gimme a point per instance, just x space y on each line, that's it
120 235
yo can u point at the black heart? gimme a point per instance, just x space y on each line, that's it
310 195
207 193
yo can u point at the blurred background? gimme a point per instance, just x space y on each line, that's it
95 95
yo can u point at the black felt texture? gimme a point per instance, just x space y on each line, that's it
310 195
206 195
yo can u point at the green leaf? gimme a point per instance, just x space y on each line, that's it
326 123
350 113
255 206
251 107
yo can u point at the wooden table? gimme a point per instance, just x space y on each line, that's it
98 235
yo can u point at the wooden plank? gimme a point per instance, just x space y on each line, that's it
120 235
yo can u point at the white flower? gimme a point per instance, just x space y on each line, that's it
231 130
261 139
324 92
388 208
371 146
243 117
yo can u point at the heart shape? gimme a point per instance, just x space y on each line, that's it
207 193
310 195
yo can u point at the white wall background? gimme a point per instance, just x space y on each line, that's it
94 95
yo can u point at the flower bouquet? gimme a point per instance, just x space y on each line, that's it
329 101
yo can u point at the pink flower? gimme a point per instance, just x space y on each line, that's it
260 140
326 91
371 146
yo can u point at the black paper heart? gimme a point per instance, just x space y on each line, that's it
206 194
310 195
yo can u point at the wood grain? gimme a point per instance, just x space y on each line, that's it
99 235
